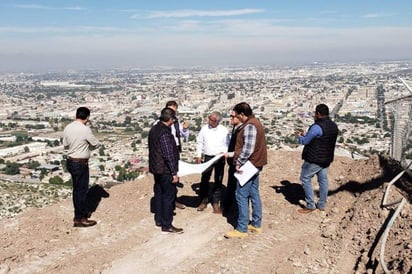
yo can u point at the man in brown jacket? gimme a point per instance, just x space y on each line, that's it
250 146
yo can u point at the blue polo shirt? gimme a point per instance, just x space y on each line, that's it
315 131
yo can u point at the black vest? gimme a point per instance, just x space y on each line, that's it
321 150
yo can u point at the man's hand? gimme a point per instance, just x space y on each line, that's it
198 160
175 179
238 169
299 132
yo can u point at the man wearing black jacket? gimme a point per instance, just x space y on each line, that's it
229 203
164 164
178 130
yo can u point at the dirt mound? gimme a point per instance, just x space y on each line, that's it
345 238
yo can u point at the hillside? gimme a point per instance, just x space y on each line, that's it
342 239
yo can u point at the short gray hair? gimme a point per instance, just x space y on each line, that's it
217 115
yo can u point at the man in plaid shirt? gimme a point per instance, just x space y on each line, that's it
250 146
164 164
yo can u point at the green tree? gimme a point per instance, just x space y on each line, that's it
64 165
127 120
12 168
192 137
55 162
43 172
144 134
19 139
33 164
122 175
56 180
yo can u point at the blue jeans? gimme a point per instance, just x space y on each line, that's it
308 171
250 190
164 198
80 180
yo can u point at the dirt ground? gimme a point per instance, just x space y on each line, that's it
345 238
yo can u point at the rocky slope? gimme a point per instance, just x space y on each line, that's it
345 238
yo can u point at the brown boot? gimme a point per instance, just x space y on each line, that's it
217 209
179 205
202 205
83 222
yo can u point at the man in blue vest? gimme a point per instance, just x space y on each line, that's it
318 153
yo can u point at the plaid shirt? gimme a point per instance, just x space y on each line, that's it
249 142
163 152
167 147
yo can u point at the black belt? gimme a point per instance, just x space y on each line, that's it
78 160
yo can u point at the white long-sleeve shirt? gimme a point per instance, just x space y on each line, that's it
184 132
212 141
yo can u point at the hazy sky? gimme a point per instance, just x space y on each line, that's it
46 34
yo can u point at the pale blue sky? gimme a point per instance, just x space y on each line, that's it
40 34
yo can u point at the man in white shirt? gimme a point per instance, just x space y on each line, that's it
179 129
212 140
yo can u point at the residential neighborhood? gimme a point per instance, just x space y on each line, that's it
125 103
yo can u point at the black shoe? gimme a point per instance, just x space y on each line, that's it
159 224
172 229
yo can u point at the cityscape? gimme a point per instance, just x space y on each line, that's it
124 60
125 103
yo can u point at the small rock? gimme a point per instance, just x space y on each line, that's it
4 269
297 264
306 250
335 210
